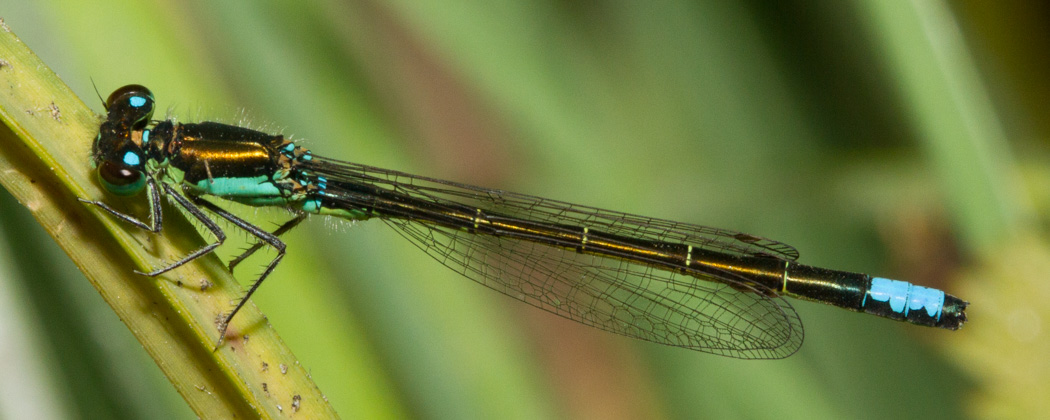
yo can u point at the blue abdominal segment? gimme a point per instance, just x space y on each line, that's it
904 297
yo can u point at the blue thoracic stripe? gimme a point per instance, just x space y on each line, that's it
239 187
904 297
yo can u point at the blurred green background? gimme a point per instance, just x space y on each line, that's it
904 139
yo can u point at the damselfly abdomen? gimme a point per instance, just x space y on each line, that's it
679 284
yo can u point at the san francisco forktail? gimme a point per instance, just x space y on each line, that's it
701 288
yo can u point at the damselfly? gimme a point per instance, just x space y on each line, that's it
697 287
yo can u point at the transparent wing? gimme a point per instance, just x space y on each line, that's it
711 312
557 212
615 295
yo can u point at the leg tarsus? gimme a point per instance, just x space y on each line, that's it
287 226
263 236
156 217
208 223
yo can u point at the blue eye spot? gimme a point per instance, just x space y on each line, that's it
145 136
131 159
137 101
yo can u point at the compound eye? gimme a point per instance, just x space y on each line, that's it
120 179
131 105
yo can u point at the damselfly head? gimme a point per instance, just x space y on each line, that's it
118 152
130 106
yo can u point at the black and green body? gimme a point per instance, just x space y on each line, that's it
673 283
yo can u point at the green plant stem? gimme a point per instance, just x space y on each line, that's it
44 149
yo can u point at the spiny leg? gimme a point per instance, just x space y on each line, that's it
287 226
156 217
198 214
263 236
157 220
